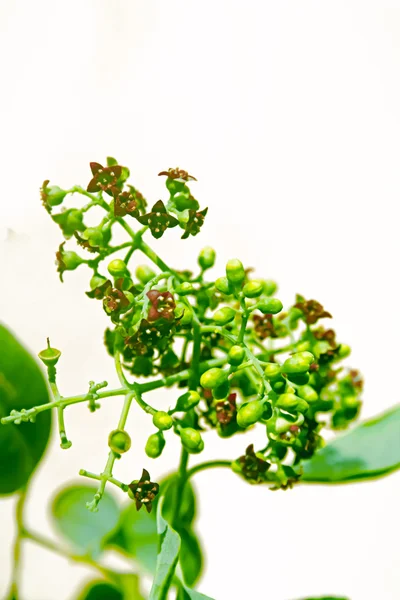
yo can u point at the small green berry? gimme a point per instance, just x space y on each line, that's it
224 315
162 420
94 236
222 285
213 378
187 401
292 402
144 274
270 287
271 306
250 413
206 258
297 363
184 289
272 370
184 313
117 268
235 272
253 289
190 438
155 445
97 281
236 355
307 393
119 441
344 351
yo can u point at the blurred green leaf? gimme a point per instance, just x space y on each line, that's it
186 593
99 590
22 385
87 531
167 560
137 536
370 450
128 589
326 598
190 556
185 500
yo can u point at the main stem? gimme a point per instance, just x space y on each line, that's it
19 510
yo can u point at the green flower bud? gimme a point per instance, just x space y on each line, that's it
71 260
235 272
197 450
190 438
162 420
224 315
50 355
296 364
187 401
253 289
223 286
303 346
221 391
97 281
307 393
308 356
269 286
236 355
119 441
278 384
54 195
117 268
144 274
183 200
344 351
184 289
213 378
70 220
272 370
94 236
291 402
174 185
321 348
250 413
155 445
299 378
206 258
184 313
271 306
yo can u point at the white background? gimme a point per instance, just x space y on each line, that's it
288 114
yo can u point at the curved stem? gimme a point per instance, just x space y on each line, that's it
210 464
19 513
50 545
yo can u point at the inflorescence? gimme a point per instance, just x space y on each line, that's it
236 356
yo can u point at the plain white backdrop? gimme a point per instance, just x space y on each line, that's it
288 114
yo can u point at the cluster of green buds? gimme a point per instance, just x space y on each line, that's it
238 359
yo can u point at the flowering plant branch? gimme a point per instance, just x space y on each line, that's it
238 359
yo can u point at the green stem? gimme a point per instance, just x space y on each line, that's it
16 572
138 397
210 464
145 248
49 545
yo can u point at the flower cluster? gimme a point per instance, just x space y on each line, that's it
238 359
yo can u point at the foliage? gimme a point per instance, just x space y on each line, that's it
237 359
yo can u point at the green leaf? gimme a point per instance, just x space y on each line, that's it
327 598
137 536
186 593
190 556
87 531
167 558
128 589
167 561
99 590
370 450
22 385
185 500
